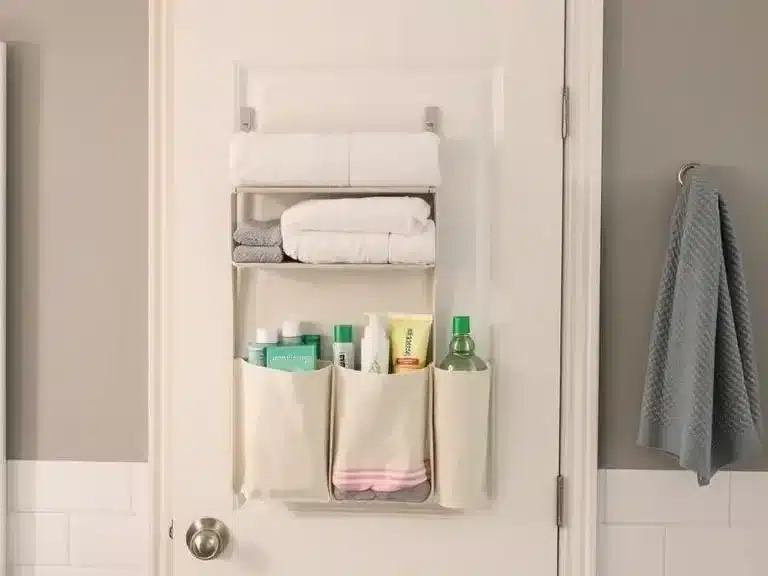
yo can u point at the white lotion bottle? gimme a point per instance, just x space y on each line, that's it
374 347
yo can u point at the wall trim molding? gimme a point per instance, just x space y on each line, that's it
581 287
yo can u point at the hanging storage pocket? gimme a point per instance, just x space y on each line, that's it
285 421
382 440
462 418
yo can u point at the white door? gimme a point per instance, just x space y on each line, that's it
496 70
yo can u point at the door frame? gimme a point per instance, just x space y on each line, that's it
580 292
3 307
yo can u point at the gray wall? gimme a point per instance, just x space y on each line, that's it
77 228
685 80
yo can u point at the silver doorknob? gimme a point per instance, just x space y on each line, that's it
207 538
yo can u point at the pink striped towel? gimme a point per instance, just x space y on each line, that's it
381 480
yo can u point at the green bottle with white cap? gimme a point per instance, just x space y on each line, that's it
461 354
343 346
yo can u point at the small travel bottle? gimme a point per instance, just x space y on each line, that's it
257 350
343 346
314 340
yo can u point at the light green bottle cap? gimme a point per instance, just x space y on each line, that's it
461 324
342 333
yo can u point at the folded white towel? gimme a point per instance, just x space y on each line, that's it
360 248
416 249
289 159
394 159
382 214
336 247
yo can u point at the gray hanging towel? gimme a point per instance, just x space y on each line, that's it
701 402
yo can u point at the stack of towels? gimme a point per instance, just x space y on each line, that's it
258 241
376 230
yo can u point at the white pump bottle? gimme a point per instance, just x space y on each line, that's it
374 347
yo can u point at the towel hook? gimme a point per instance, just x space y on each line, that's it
684 169
432 119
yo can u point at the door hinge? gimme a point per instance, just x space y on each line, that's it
566 112
170 530
247 119
560 503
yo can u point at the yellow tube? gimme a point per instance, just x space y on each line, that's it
409 335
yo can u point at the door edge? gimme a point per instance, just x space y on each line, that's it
581 288
159 185
3 296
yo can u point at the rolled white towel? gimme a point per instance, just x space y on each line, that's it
379 214
336 247
417 249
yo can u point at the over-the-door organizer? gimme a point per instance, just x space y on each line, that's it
418 438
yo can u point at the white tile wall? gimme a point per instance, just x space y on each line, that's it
78 518
658 497
749 499
631 550
661 523
83 518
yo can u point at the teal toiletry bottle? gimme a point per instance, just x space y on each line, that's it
461 355
314 340
257 351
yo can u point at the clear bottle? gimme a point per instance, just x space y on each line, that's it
461 354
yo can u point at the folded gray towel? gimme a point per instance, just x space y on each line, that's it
258 254
258 233
701 401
